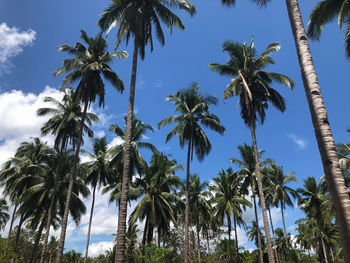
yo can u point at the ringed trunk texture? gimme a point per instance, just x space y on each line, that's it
10 230
90 222
229 238
70 189
36 243
261 254
262 199
187 236
121 233
323 133
273 235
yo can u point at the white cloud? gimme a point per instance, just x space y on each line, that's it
99 134
12 42
96 249
300 142
116 141
19 121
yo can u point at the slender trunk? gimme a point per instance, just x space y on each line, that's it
229 237
261 254
332 255
150 231
70 189
273 235
198 241
121 233
262 198
36 243
326 145
284 229
323 248
18 234
145 232
208 242
10 230
187 244
235 224
90 222
158 234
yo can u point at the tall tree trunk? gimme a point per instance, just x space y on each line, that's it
36 243
187 237
285 230
229 237
198 241
145 232
273 235
261 254
235 224
90 222
70 189
150 231
208 242
10 230
121 233
326 145
323 247
18 234
262 198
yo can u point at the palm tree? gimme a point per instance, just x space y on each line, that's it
200 204
193 108
248 169
281 193
64 124
97 175
137 19
157 206
313 200
228 201
254 233
4 216
253 86
86 67
326 145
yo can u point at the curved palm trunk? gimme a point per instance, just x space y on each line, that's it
70 189
198 242
262 199
326 145
36 243
229 238
187 244
323 247
18 234
261 254
273 235
90 222
10 230
235 224
284 229
121 233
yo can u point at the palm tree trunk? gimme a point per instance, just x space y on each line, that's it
90 222
235 224
262 198
121 233
187 244
18 234
323 248
208 242
273 235
36 243
70 189
326 145
229 237
150 231
10 230
145 232
284 227
261 254
199 242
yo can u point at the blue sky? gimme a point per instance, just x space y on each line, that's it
288 138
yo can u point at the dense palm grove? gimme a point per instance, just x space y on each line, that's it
176 220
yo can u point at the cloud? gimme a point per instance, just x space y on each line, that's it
116 141
12 42
300 142
99 248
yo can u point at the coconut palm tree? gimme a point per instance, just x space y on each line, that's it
87 66
253 86
193 109
228 201
318 111
4 216
248 170
136 19
97 176
64 124
281 193
254 233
